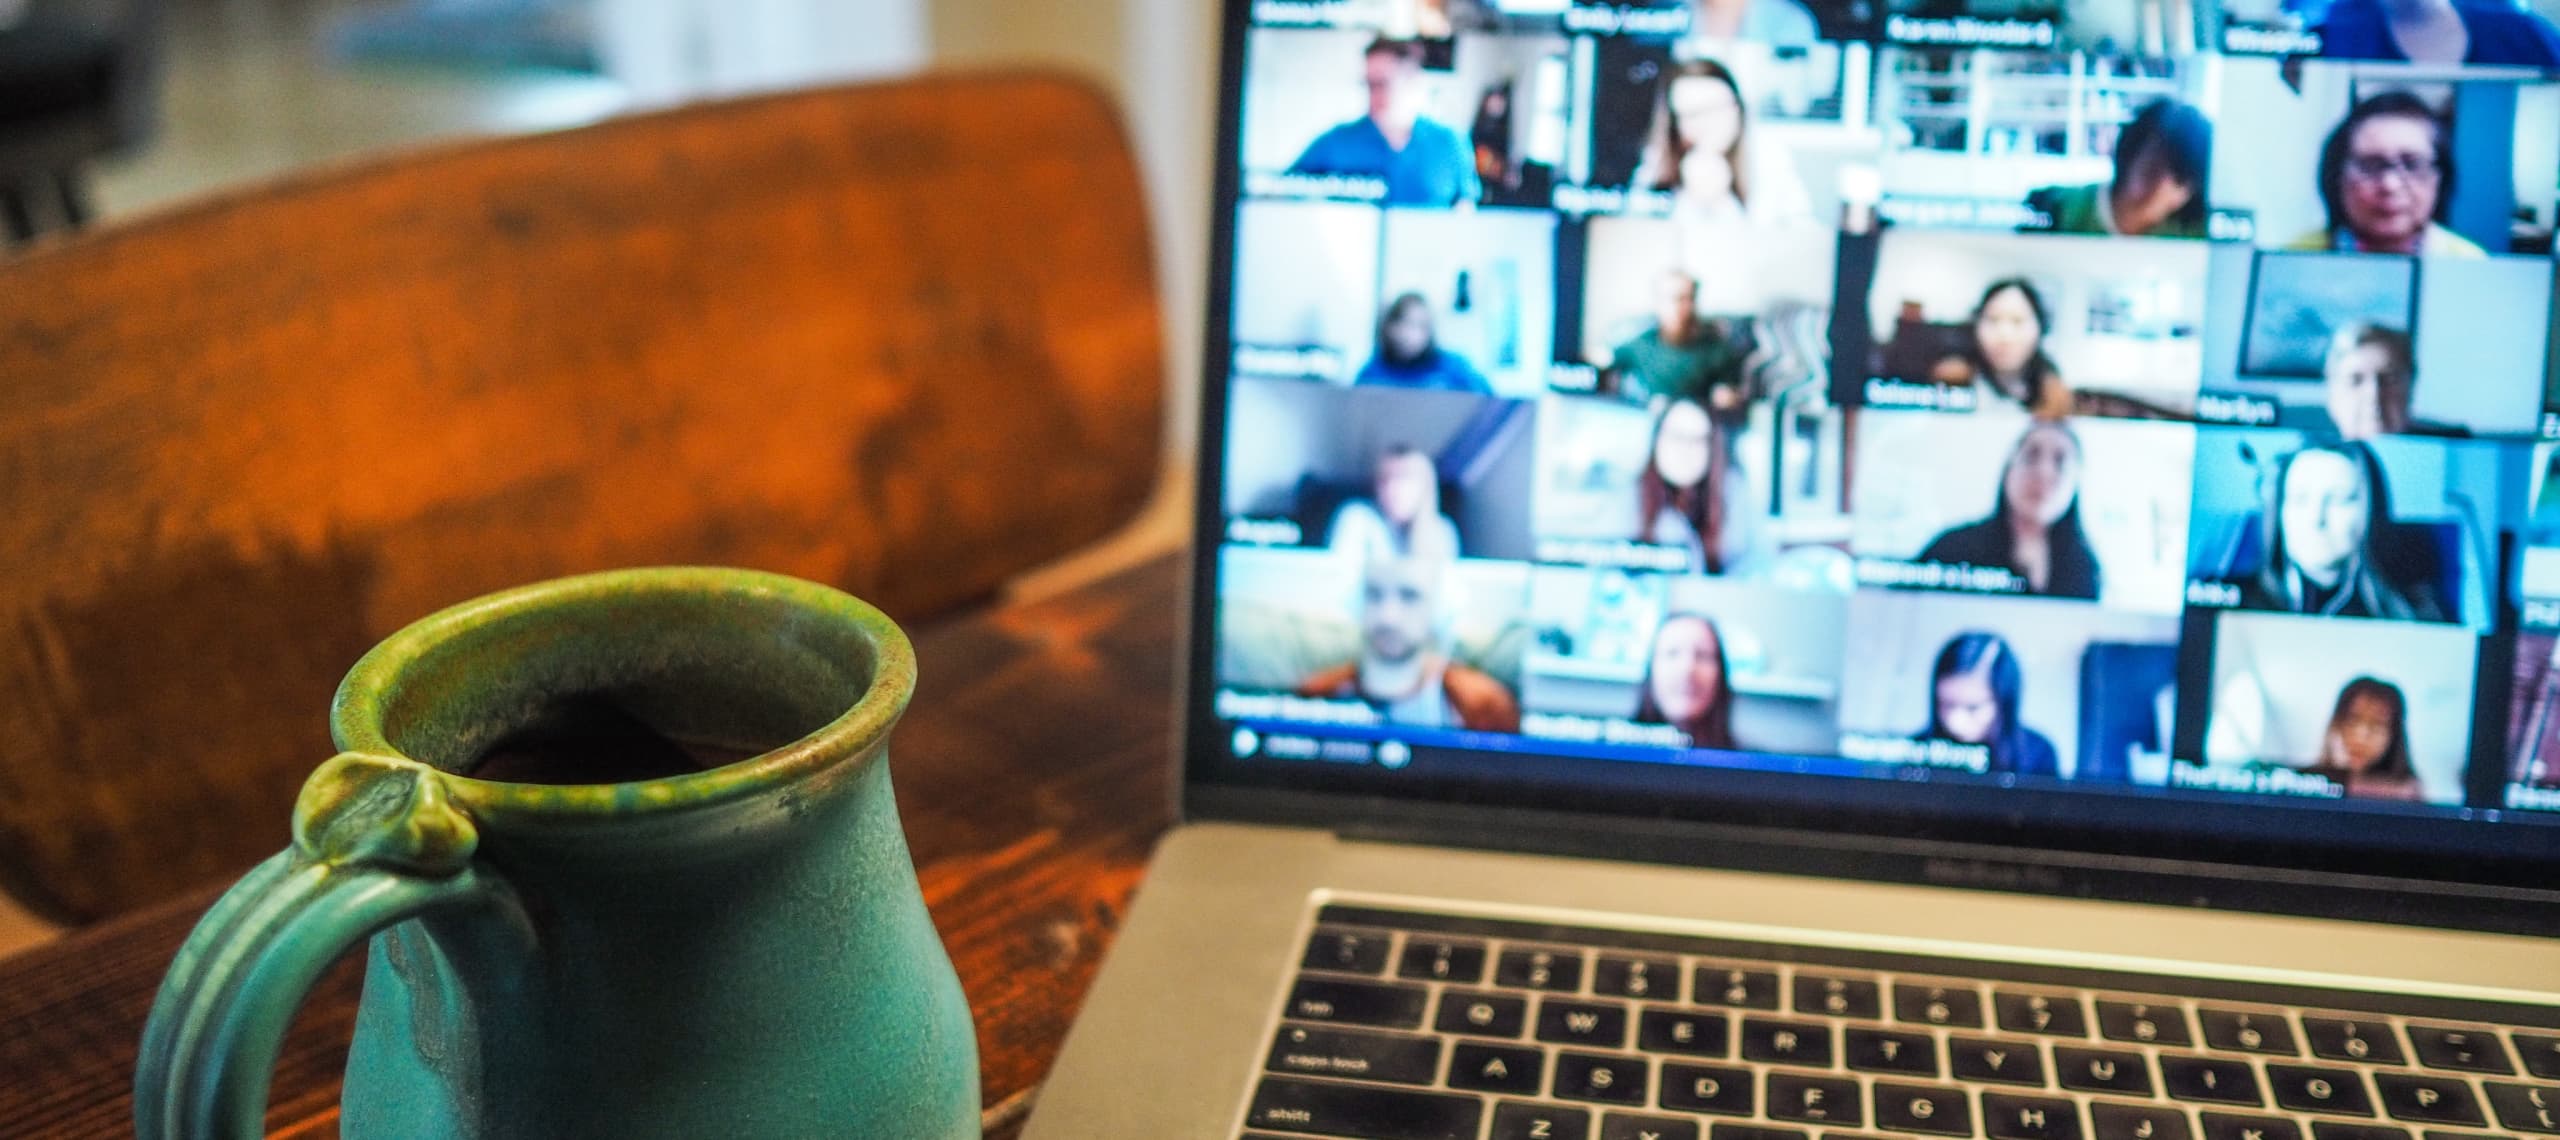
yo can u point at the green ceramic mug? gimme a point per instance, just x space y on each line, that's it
625 848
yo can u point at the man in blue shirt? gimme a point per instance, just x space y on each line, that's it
1422 162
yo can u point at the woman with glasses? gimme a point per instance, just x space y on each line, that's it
2386 176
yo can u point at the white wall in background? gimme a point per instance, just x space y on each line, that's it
672 51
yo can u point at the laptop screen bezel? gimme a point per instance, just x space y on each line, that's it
2069 843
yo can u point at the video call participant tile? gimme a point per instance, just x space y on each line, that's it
2340 709
1371 471
2087 509
1682 662
2019 687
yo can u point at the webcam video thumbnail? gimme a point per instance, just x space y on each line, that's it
2396 528
2368 345
2367 158
1681 662
1960 321
2301 706
2087 509
1416 299
1425 642
1370 472
2010 687
2058 142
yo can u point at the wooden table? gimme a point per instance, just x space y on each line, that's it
1033 774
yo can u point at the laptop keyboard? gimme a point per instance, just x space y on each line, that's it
1408 1026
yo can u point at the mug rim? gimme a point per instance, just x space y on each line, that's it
356 715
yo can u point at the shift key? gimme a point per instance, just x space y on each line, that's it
1347 1002
1329 1109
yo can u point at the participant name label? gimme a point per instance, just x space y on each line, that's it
1969 31
1264 532
2213 595
1884 392
2225 408
2245 39
1613 20
1974 758
1597 730
1961 213
1301 362
1940 576
1312 13
2273 781
1572 198
1614 553
1351 187
1573 378
2526 797
1232 705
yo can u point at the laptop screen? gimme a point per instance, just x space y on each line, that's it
2013 419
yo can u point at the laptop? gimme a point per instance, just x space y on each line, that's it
1838 569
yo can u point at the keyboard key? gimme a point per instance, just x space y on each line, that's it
1997 1061
1923 1108
2428 1100
1351 951
1442 960
2056 1015
1815 1100
2525 1108
2357 1039
2212 1080
2467 1050
1679 1031
2143 1023
1329 1109
1786 1042
2247 1031
2436 1134
1515 1121
1834 996
1731 986
1474 1014
2301 1088
2008 1117
1708 1088
1885 1051
1724 1131
1654 978
1318 1052
2111 1121
1626 1126
2102 1070
1958 1006
1497 1068
1614 1080
2541 1054
2332 1130
1582 1023
1534 969
1357 1003
2232 1126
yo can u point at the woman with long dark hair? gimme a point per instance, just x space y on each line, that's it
1688 494
2366 748
2332 548
1696 146
1974 692
2004 359
2034 529
1686 683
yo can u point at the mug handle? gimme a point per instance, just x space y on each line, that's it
377 840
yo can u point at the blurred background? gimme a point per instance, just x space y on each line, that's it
111 110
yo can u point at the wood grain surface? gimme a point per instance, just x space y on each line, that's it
901 338
1034 774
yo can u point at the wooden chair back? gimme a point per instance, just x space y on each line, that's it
899 338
